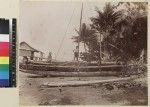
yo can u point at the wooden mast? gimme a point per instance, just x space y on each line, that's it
79 35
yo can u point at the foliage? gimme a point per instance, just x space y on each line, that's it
123 31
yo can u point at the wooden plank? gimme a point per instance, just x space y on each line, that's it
84 83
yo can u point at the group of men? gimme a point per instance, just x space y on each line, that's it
49 59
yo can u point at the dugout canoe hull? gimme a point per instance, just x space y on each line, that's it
72 71
72 74
71 68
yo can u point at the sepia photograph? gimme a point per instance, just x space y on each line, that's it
83 53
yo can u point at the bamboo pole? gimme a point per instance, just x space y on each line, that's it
100 50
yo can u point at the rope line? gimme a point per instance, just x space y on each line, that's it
64 35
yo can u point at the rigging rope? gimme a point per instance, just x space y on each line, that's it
64 35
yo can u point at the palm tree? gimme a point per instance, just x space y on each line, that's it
104 23
86 35
88 38
133 28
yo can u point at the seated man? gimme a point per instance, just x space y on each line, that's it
25 59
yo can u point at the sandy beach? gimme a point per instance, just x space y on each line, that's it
31 92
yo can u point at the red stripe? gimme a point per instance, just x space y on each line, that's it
4 48
4 52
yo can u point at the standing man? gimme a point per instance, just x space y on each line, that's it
49 59
76 54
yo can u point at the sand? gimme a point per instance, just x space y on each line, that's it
31 92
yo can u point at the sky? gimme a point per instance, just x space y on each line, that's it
50 25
